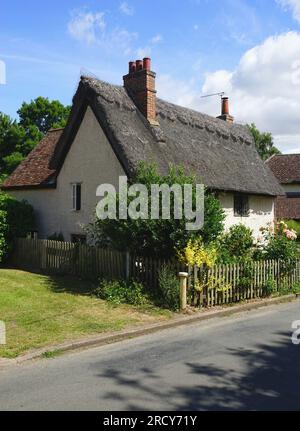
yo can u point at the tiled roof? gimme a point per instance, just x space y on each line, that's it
35 170
286 168
288 208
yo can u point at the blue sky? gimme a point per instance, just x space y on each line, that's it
250 49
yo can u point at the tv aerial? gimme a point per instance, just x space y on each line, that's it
221 94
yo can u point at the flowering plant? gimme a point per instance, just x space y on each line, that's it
199 254
278 242
277 230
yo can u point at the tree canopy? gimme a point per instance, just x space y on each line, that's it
43 114
18 138
264 142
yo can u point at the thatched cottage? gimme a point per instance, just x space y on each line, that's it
112 128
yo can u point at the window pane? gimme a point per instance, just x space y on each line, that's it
78 197
74 197
241 205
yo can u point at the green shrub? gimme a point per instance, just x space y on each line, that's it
3 235
236 245
270 287
158 238
296 288
169 290
279 243
122 292
16 221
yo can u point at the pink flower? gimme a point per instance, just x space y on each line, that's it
290 234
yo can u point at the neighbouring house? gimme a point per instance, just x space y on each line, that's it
286 168
112 128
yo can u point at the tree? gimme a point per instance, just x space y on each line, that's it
18 138
158 238
264 142
43 114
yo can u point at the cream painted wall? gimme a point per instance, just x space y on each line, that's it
261 212
90 161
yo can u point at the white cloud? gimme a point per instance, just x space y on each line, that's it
156 39
91 28
293 5
126 8
264 88
86 26
147 50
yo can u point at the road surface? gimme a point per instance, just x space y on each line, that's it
243 362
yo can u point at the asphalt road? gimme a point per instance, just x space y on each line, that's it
244 362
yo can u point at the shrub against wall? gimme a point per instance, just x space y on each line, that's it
16 221
159 238
278 243
236 245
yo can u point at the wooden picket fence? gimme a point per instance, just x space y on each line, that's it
81 260
222 284
226 284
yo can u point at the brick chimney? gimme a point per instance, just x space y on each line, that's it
140 85
225 111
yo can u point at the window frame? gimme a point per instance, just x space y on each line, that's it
241 209
76 197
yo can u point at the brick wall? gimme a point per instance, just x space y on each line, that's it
141 87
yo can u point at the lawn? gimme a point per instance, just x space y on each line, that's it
42 311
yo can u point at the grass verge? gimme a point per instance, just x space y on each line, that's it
41 311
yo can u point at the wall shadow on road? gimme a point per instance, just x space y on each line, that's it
268 379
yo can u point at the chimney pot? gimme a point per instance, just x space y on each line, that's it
225 106
139 65
132 66
225 115
147 63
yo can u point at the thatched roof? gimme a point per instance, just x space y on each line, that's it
223 156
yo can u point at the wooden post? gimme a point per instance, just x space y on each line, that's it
183 276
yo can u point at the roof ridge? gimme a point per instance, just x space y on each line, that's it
231 128
287 155
56 129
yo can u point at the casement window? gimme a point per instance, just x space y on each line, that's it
241 206
76 197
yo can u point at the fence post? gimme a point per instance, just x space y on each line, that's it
183 276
